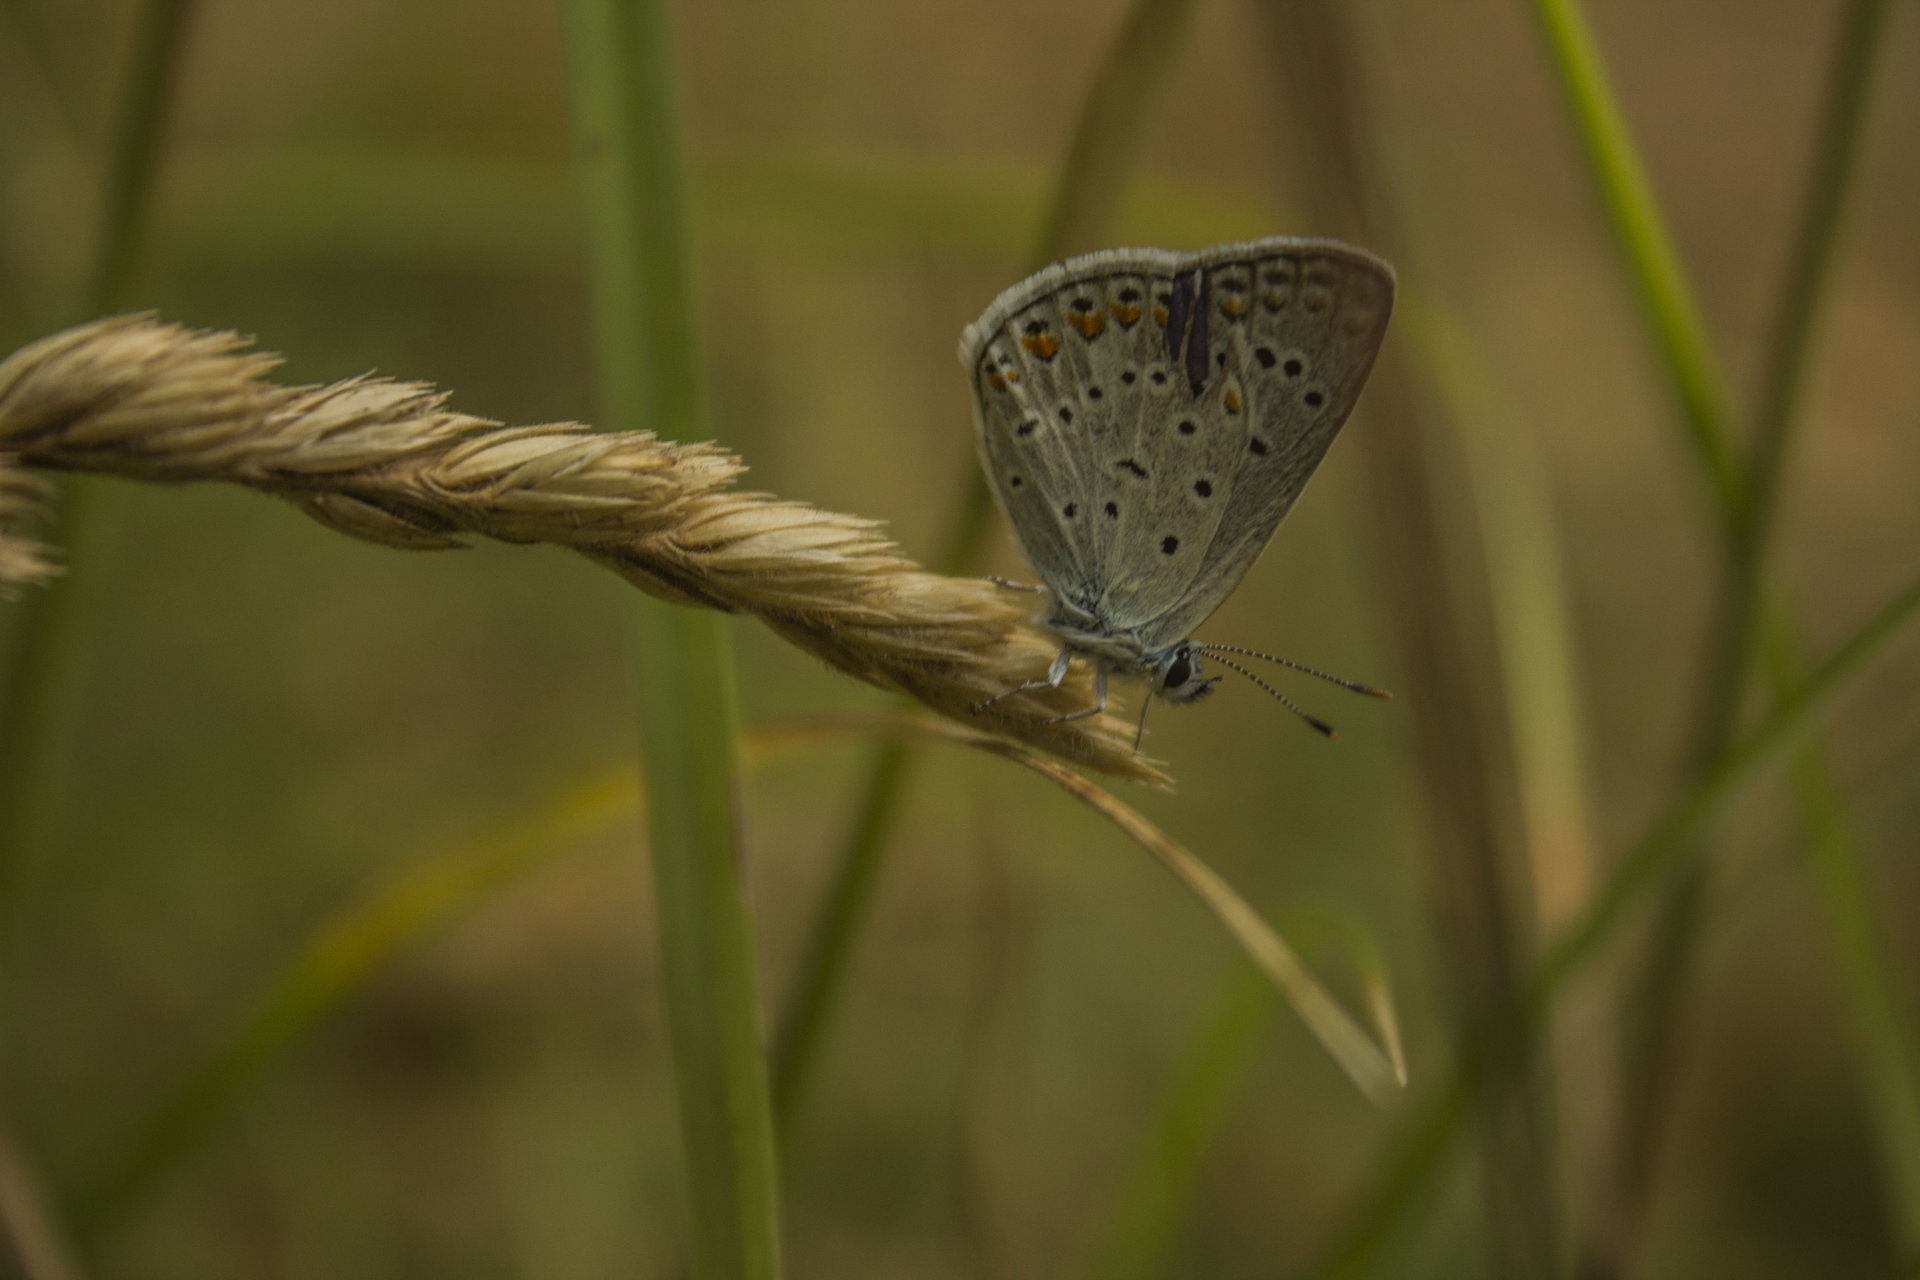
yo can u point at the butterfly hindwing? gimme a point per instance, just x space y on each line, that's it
1148 418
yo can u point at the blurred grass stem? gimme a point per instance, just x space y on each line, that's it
40 686
626 123
1671 842
1438 606
1634 215
39 690
1747 503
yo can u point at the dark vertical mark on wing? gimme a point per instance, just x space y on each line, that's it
1187 327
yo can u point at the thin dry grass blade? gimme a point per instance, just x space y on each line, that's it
1372 1071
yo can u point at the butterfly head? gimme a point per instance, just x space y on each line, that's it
1176 677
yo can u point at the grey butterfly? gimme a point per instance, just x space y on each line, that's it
1147 419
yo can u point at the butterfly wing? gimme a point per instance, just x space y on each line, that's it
1147 419
1294 329
1067 366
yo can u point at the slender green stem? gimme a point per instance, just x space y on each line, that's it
1848 91
40 683
1878 1003
1121 104
145 107
627 128
1747 504
1651 258
830 941
40 686
1669 844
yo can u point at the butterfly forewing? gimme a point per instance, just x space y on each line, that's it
1148 419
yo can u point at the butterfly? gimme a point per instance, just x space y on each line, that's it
1147 419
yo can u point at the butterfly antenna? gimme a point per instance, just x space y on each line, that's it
1280 697
1354 685
1146 704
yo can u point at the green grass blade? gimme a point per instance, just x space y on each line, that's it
1836 150
1666 847
1652 260
144 109
627 129
1879 1006
1878 1003
831 937
1746 503
1657 851
41 683
40 687
1122 103
706 941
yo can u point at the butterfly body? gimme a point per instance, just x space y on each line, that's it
1147 419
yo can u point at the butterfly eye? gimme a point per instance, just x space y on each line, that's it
1178 674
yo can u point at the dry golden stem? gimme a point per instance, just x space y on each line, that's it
390 463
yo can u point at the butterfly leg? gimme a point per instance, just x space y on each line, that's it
1011 585
1099 700
1055 674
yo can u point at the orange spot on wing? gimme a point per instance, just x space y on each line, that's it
1041 344
1233 399
1160 316
1126 313
1233 304
1089 323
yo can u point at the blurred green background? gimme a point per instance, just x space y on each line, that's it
273 724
